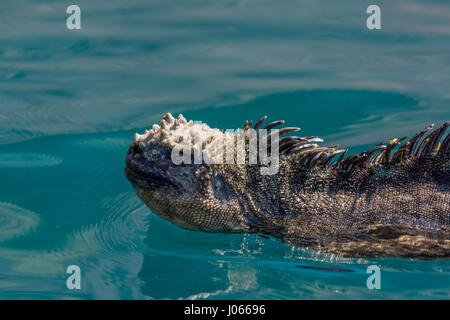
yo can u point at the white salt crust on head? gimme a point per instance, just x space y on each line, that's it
187 136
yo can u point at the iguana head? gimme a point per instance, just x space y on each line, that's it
191 194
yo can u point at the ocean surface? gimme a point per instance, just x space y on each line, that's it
71 101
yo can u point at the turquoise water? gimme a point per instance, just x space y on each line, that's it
70 102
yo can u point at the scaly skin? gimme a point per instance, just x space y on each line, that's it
376 203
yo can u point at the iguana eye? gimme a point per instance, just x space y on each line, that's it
217 184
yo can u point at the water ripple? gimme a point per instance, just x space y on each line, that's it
27 160
16 222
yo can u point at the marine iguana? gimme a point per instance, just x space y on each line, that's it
392 200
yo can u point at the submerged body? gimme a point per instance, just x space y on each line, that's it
376 203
